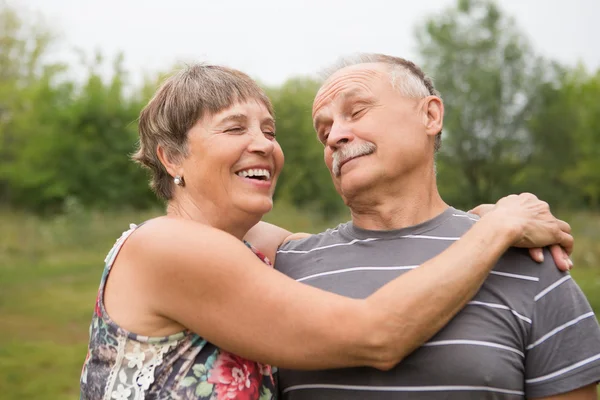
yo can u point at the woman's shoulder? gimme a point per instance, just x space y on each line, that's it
171 225
167 235
181 247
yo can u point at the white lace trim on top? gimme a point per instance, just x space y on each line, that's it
118 243
133 372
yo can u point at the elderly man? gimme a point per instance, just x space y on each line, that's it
529 331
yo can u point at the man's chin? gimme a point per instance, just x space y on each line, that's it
352 184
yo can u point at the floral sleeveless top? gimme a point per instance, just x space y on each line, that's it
122 365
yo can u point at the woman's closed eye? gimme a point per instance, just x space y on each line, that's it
235 129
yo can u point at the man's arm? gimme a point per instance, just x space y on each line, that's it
267 238
563 351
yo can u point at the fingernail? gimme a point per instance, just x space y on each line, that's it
541 256
570 262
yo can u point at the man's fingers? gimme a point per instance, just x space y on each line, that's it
561 258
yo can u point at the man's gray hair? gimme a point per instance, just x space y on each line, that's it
405 76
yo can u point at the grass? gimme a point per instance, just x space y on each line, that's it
49 275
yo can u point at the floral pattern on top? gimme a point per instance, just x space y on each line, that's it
121 365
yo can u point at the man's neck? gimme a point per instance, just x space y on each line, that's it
391 209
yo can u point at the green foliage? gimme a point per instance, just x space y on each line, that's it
565 164
513 122
24 74
68 142
75 147
488 77
63 141
305 180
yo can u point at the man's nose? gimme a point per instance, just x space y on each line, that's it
339 135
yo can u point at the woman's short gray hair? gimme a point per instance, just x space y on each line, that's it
183 99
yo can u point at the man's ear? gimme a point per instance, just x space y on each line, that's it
433 111
170 163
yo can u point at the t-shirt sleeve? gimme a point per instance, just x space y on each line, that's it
563 353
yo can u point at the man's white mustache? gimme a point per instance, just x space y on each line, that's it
350 151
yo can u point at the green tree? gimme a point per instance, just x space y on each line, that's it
566 153
24 76
488 76
305 181
102 131
74 145
63 141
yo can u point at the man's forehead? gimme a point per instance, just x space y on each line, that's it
349 81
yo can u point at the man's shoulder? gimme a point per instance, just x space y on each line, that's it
454 224
519 281
514 260
518 261
304 243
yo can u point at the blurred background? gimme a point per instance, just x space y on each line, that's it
520 81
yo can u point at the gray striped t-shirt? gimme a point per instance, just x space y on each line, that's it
529 331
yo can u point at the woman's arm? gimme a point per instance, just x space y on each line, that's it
560 255
267 238
209 282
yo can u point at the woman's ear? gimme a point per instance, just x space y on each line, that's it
170 163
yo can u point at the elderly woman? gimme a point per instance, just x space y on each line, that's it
187 310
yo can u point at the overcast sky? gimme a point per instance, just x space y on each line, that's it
275 39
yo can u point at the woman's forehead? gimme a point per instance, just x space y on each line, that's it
242 109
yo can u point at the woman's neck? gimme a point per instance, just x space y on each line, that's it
233 223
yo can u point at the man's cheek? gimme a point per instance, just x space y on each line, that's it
327 157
